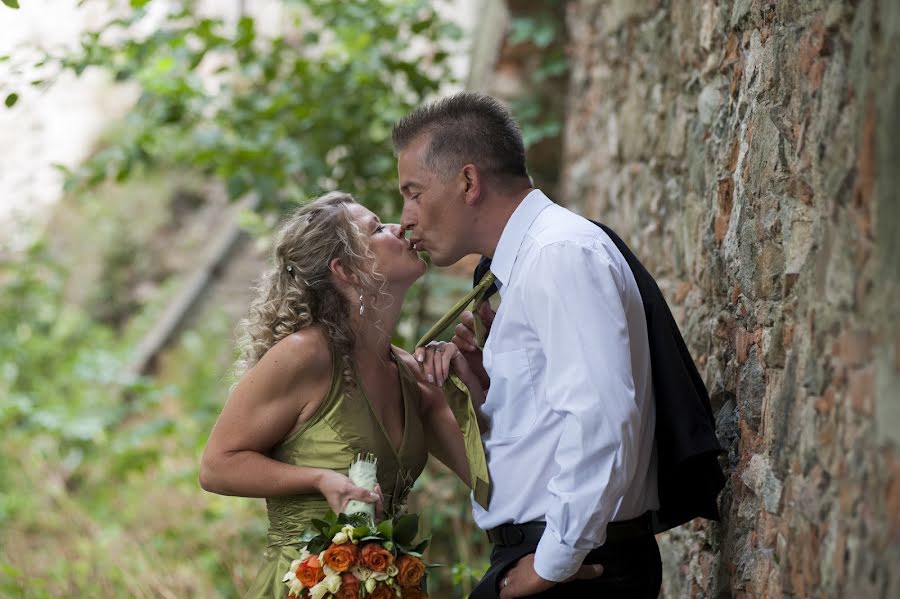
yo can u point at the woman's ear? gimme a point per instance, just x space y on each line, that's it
342 273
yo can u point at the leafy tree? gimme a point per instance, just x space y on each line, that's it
287 116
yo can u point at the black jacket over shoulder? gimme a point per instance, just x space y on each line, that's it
689 475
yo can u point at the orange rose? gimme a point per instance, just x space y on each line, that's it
349 587
310 571
411 570
375 557
382 591
412 593
341 558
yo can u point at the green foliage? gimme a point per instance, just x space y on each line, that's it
98 466
397 535
11 3
286 116
539 117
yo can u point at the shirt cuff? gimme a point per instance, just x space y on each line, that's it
555 561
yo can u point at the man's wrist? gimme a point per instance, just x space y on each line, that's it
555 561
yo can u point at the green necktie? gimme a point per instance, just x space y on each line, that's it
477 293
458 395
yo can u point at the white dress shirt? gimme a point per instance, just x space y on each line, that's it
570 406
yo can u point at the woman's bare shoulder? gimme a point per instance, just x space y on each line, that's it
300 354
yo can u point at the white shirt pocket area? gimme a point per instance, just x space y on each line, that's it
510 403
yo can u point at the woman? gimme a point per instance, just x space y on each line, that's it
321 381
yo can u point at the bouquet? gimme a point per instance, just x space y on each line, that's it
346 556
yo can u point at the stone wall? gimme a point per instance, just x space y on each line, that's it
748 151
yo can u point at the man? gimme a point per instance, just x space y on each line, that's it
570 411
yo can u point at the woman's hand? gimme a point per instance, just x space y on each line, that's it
439 359
338 490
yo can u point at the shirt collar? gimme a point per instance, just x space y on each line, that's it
514 232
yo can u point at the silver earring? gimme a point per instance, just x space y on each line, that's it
362 306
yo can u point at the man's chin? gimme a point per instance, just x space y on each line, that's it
439 259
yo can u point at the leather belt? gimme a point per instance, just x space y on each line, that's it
507 535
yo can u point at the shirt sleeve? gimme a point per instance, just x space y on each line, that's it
577 310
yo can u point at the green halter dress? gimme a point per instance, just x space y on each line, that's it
343 426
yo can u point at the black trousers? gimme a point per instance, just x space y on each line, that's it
632 569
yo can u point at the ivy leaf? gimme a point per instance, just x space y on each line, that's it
11 99
11 3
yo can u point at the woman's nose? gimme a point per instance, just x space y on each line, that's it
397 230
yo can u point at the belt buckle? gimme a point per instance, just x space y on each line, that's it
513 531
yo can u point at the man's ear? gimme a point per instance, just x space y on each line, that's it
471 179
341 272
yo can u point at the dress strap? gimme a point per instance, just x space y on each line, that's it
334 392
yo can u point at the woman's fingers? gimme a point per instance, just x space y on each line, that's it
379 503
425 356
437 362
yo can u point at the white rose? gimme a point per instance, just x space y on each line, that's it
297 586
361 573
381 576
392 570
348 530
340 538
295 563
318 591
332 583
289 577
370 585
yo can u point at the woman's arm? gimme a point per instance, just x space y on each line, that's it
444 438
278 394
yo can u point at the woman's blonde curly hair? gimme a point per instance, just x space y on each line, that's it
298 291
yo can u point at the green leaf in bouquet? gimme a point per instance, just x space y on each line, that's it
358 520
420 548
308 535
335 528
386 528
317 545
331 517
321 525
361 532
405 529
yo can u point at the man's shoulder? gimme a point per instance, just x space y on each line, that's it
558 224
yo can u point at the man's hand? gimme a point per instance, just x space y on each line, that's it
464 339
521 580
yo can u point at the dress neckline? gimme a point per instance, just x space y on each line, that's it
404 400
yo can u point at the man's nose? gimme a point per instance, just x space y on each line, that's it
407 217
